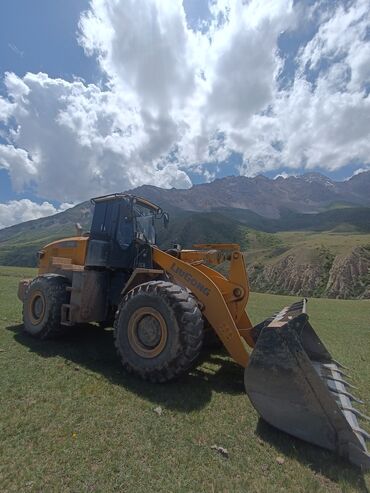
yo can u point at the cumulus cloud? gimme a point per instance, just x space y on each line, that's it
176 96
358 172
245 60
152 57
75 140
342 38
5 109
323 118
283 175
18 211
19 165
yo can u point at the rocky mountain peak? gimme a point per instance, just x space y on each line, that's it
318 178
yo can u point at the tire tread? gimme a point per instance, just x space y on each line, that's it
54 287
190 323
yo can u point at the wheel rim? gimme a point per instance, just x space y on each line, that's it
37 307
147 332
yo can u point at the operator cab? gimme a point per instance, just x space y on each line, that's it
122 232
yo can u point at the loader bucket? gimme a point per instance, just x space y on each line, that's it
296 386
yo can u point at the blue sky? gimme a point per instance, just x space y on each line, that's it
101 96
41 37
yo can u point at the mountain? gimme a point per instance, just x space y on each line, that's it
339 219
239 209
308 193
330 264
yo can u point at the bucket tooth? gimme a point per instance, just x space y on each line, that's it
343 374
347 394
340 365
362 432
340 380
330 367
356 412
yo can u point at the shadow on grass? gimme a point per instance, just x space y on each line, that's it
324 463
91 348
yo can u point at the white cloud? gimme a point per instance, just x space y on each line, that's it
176 97
19 165
357 172
283 175
75 140
342 36
315 127
323 119
17 211
245 61
6 109
144 46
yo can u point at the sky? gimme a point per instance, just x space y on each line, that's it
102 96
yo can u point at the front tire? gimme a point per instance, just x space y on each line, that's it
158 331
42 306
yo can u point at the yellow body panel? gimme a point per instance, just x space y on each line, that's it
223 300
67 251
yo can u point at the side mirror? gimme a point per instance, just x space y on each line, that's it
166 219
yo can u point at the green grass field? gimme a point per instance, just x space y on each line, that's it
72 421
269 247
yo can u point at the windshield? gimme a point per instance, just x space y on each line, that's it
145 222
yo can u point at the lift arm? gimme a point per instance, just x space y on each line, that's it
222 300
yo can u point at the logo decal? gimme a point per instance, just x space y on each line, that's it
190 279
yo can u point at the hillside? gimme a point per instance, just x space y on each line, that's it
326 253
329 264
347 219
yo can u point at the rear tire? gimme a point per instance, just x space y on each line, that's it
42 306
158 331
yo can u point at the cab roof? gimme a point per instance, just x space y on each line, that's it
121 195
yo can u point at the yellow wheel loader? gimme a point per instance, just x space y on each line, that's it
160 304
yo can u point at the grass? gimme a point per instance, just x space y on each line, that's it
338 243
315 254
73 421
269 247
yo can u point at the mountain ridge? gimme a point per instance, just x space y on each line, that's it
308 193
356 188
333 213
